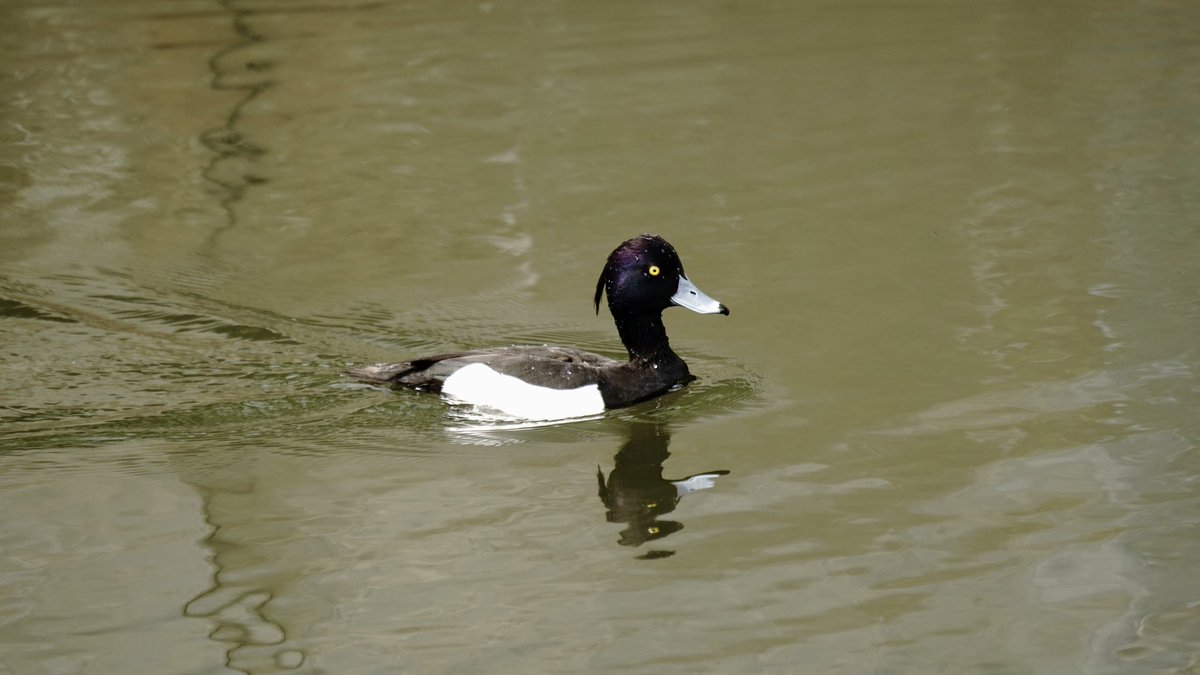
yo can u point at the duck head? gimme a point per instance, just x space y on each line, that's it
644 275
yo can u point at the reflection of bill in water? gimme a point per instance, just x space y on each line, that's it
636 493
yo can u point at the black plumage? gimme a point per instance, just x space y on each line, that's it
642 277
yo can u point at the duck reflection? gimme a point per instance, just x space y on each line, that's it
636 493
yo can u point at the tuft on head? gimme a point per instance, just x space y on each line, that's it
599 292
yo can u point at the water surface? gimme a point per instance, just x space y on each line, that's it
956 396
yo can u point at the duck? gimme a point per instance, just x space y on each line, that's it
641 278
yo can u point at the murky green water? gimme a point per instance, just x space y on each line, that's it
957 395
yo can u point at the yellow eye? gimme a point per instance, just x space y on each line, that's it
654 271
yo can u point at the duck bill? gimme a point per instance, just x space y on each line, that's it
687 295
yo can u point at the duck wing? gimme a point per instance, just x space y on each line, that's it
545 366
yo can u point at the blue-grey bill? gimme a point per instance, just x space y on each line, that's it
687 295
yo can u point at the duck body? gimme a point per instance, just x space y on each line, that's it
642 277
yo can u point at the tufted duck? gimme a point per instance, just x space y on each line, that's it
642 277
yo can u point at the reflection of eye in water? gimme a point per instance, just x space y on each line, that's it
636 493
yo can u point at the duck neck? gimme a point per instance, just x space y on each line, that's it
646 338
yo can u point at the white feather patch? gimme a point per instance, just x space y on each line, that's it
478 384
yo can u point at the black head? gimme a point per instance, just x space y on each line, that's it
645 275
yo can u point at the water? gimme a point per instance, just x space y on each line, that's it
955 398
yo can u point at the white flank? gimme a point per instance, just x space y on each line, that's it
478 384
